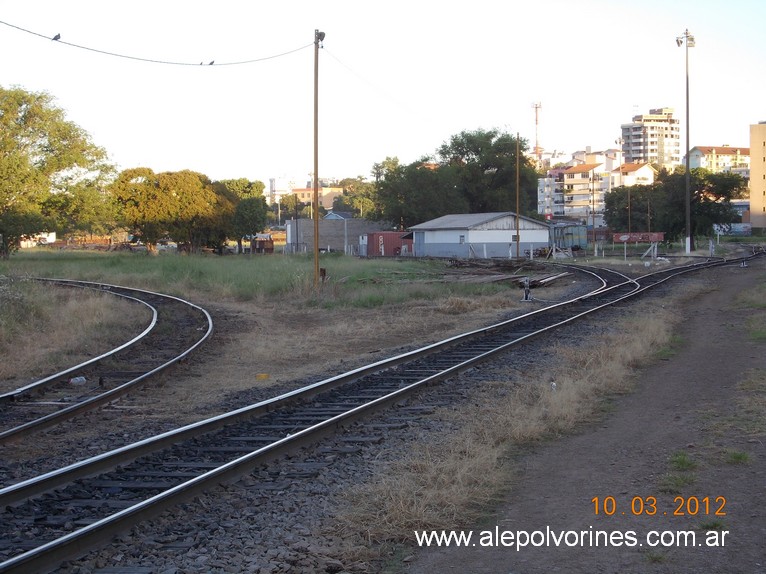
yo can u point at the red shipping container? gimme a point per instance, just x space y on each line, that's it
388 244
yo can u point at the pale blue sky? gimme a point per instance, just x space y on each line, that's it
396 78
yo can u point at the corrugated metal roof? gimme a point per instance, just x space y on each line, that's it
468 220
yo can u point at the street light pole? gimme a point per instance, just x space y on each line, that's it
688 41
518 219
318 37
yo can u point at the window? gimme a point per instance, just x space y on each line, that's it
462 239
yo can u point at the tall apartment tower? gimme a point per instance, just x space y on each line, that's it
653 138
758 175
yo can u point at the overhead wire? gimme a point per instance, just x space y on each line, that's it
417 116
376 88
152 60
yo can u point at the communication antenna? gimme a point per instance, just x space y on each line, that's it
538 149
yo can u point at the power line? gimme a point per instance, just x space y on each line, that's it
58 39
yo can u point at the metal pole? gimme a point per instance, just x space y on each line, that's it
318 37
518 231
686 38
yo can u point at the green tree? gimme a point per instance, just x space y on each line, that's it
662 206
473 172
710 199
634 208
41 153
357 198
384 168
485 166
82 210
250 217
291 207
181 204
144 209
195 208
243 187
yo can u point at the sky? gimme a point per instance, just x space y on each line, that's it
396 78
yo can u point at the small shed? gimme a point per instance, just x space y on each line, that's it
479 235
567 235
385 244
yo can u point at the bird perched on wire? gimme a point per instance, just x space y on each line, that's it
56 37
211 62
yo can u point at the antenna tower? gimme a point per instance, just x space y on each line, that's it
538 149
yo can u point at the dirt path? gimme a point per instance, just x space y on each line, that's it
687 409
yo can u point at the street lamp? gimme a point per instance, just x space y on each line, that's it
593 209
687 40
318 37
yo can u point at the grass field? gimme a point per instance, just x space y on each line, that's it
350 281
41 328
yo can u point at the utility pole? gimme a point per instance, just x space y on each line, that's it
518 219
318 37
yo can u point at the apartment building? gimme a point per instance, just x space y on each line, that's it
281 187
721 159
653 138
578 190
758 175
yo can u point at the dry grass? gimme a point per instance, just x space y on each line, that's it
451 481
35 340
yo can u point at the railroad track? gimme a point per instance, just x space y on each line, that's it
176 328
58 515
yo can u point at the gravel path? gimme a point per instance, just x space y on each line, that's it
690 406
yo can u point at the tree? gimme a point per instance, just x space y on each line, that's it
634 208
357 198
485 162
291 206
144 209
473 172
40 153
243 187
662 206
82 209
250 217
711 195
180 204
193 204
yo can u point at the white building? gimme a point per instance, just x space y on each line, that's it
721 159
479 235
579 191
653 138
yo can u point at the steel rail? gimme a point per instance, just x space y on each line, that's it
37 385
120 390
53 552
48 481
